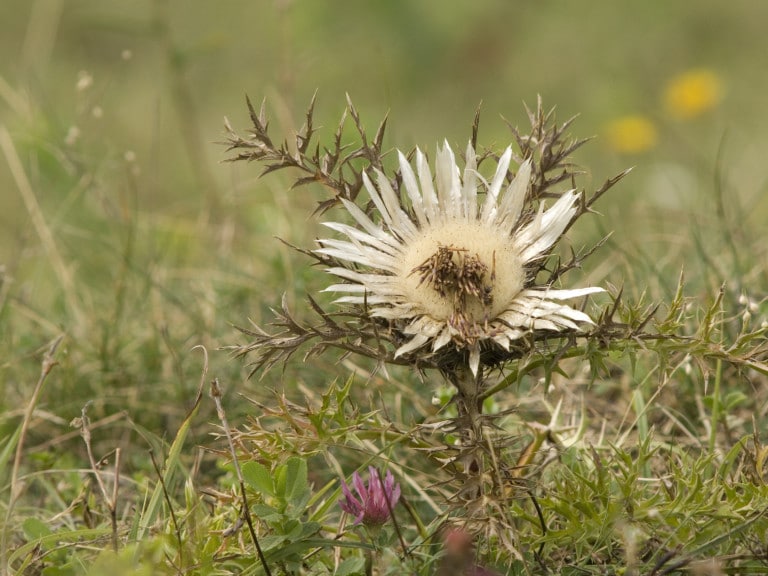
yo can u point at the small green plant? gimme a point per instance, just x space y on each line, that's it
285 493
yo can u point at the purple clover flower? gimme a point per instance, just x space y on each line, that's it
370 506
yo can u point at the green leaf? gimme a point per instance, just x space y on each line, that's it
34 528
271 542
292 529
258 477
296 483
309 529
7 449
58 571
351 566
266 513
735 399
280 473
298 505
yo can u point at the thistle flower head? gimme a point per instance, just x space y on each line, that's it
372 504
448 267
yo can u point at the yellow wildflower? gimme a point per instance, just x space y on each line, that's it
692 93
631 134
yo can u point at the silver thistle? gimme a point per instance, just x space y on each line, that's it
453 273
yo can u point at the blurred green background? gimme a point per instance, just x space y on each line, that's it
137 241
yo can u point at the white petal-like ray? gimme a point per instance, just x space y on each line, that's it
491 197
548 226
372 229
469 185
431 205
502 339
360 236
401 220
443 171
423 325
514 198
378 202
356 258
443 339
345 288
474 358
412 189
371 280
515 333
416 342
447 180
543 324
559 294
396 312
513 318
364 254
381 289
363 300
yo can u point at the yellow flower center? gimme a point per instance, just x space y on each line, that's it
462 271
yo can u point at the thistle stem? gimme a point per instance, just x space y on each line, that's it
469 419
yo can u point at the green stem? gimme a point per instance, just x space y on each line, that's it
639 405
369 563
715 418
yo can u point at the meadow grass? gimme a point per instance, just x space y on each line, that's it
129 254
